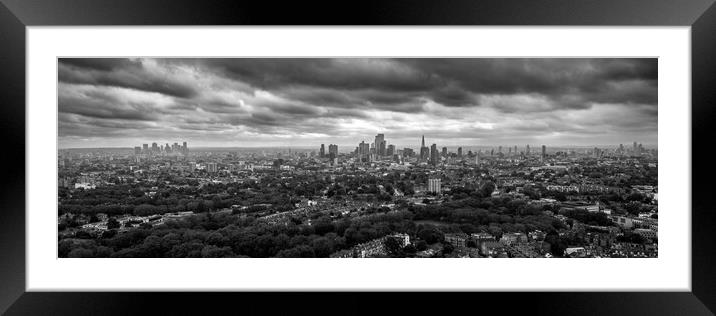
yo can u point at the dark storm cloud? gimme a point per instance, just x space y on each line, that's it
121 73
584 81
75 125
102 106
448 81
342 73
290 108
510 98
101 64
407 102
345 113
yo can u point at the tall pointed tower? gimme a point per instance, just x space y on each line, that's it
423 144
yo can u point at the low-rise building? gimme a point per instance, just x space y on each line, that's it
480 237
492 248
646 233
403 239
456 240
623 221
512 238
575 252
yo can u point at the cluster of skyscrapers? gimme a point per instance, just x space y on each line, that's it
158 149
381 150
637 149
332 152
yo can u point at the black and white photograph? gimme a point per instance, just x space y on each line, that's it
346 157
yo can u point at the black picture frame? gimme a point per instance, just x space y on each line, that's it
16 15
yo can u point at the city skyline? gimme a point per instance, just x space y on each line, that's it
254 102
347 148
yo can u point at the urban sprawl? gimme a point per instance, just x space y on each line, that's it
372 201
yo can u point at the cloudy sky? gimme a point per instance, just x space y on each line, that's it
252 102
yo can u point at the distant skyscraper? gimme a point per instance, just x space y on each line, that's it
212 167
390 151
544 152
322 152
145 147
184 147
434 154
333 149
364 149
527 150
459 152
499 150
380 144
445 152
137 150
155 148
424 151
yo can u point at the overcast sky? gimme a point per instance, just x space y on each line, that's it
250 102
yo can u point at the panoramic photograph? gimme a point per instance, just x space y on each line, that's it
357 157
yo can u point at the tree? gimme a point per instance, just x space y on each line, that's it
421 245
633 207
212 251
64 247
557 246
80 253
297 252
103 252
631 237
322 247
109 234
145 209
112 223
392 245
495 231
447 249
560 196
430 235
486 189
531 192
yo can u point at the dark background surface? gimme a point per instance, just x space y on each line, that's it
360 304
703 99
366 12
16 14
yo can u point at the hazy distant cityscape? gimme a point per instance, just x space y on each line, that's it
558 159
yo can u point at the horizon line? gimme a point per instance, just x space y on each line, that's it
318 146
